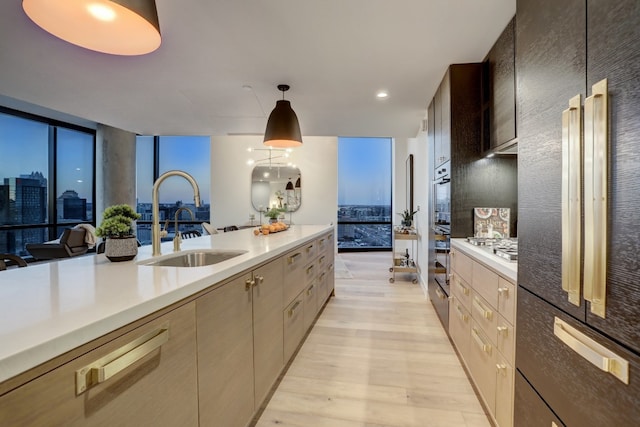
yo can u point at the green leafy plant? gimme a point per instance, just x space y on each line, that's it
117 221
407 215
273 213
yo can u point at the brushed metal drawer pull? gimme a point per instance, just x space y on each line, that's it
322 277
595 353
503 330
502 368
310 290
116 361
309 269
461 315
595 197
463 288
293 258
309 248
478 339
487 314
504 291
293 309
248 284
440 294
570 202
321 261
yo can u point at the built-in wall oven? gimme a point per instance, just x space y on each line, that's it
440 233
442 224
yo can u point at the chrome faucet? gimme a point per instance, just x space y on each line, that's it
177 239
155 228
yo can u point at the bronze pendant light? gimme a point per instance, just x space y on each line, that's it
283 129
117 27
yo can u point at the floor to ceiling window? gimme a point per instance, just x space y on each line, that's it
364 194
156 155
47 179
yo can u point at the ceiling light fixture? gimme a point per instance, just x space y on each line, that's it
117 27
382 94
283 129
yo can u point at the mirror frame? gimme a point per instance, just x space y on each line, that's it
284 174
409 183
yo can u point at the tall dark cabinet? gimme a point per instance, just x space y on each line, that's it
562 50
454 126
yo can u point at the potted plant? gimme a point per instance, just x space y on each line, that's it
273 214
117 230
407 217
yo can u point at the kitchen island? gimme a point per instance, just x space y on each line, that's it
54 313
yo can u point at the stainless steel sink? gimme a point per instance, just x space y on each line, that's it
193 258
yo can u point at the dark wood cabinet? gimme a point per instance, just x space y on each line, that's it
454 134
562 49
577 391
498 92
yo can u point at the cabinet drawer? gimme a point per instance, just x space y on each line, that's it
529 409
130 396
461 290
482 365
507 299
485 316
323 244
310 250
460 327
310 272
485 282
294 274
506 340
310 308
439 300
322 288
293 326
504 392
580 393
462 265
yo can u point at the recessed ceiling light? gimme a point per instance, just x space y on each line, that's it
382 94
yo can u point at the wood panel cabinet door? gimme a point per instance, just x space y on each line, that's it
225 354
550 70
566 362
160 389
437 128
502 104
613 46
268 338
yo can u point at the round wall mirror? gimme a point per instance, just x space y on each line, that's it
276 186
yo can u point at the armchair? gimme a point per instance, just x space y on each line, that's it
72 243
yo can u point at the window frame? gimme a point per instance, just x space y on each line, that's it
52 224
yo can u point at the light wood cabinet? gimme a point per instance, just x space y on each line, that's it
482 328
210 360
293 319
225 354
132 396
267 326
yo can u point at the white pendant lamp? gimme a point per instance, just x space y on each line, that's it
117 27
283 129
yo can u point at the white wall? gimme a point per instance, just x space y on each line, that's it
421 187
317 160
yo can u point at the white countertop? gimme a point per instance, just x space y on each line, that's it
485 255
49 308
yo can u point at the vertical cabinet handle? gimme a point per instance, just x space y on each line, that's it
502 330
293 309
593 352
461 315
440 294
249 283
595 197
571 211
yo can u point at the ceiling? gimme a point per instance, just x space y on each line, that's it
217 69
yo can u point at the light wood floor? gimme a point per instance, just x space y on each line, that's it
377 356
